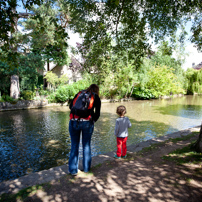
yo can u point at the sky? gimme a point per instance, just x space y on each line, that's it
193 55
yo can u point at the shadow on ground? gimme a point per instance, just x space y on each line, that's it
145 176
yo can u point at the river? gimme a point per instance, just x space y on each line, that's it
38 139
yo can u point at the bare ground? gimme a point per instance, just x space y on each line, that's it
143 176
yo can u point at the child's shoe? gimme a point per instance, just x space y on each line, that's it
124 156
117 157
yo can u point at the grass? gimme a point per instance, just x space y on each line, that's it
184 155
160 144
187 137
21 195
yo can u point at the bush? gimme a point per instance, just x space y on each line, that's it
65 93
27 94
162 82
51 98
145 94
7 98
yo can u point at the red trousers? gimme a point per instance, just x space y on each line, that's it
121 146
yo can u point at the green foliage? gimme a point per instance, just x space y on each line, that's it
142 93
52 78
65 93
161 74
22 195
5 81
158 81
43 92
163 82
28 69
184 155
116 76
27 95
63 79
47 34
124 26
51 98
193 81
7 98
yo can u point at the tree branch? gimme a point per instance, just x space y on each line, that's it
117 23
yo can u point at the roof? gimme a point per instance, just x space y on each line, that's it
198 67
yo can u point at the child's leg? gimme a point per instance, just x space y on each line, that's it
124 146
119 145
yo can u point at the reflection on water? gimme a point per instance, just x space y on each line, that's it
37 139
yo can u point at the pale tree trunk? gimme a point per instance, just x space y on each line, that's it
197 146
14 89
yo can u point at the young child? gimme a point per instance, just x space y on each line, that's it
121 132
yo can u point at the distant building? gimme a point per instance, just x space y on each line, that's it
197 67
71 71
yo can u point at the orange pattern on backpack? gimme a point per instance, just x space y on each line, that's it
91 102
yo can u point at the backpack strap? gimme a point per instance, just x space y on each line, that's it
76 98
91 101
74 101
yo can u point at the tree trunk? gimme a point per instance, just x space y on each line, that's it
197 146
14 89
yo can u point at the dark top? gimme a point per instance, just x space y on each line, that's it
95 113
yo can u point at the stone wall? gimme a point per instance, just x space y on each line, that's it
23 104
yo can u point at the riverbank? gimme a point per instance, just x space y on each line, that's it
32 104
138 179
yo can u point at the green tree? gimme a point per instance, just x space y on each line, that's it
30 66
17 43
193 81
162 82
52 79
46 34
117 25
9 18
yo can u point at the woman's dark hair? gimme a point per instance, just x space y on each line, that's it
121 110
93 88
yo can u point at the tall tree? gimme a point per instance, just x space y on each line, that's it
46 33
128 24
8 35
13 43
197 146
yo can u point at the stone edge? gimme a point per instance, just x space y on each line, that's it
52 174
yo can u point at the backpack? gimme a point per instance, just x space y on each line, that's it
82 104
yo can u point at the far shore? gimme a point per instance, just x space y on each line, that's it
31 104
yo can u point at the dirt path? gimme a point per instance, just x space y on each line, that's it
141 177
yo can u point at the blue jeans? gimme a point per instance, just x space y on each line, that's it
75 129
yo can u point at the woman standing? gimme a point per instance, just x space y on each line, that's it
85 111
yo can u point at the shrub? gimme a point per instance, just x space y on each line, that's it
162 82
7 98
65 93
143 93
51 98
27 94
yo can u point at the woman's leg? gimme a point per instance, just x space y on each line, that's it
87 131
119 146
124 146
74 130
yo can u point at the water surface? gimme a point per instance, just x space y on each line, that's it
38 139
